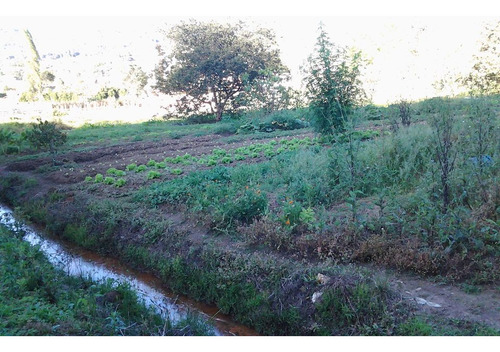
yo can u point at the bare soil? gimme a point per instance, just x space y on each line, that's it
482 307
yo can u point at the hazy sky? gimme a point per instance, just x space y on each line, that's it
407 53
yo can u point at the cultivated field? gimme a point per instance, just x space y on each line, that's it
288 232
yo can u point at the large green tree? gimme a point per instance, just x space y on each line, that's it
333 84
213 66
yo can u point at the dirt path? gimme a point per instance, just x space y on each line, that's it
449 301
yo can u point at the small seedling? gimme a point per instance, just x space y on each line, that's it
88 179
177 171
151 162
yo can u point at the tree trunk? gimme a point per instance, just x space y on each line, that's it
218 114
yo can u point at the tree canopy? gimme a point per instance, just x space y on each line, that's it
213 67
484 77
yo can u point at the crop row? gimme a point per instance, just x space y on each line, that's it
217 157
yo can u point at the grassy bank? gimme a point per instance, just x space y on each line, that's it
38 299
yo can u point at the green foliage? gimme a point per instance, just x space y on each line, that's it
176 171
362 306
38 300
109 92
120 182
131 167
115 172
109 180
484 78
88 179
161 165
99 178
46 135
141 168
242 207
277 120
11 141
153 174
34 92
332 78
415 327
137 79
221 61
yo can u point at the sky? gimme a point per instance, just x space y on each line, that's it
409 49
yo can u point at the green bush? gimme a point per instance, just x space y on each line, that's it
243 208
46 135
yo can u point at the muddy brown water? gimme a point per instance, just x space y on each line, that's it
79 262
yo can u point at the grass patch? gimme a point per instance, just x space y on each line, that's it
37 299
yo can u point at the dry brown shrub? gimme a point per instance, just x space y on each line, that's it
403 255
267 232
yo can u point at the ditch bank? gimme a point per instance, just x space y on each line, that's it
271 293
78 262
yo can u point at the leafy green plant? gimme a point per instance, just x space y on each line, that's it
98 178
153 175
161 165
141 168
120 182
131 167
115 172
176 171
333 84
89 179
109 180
